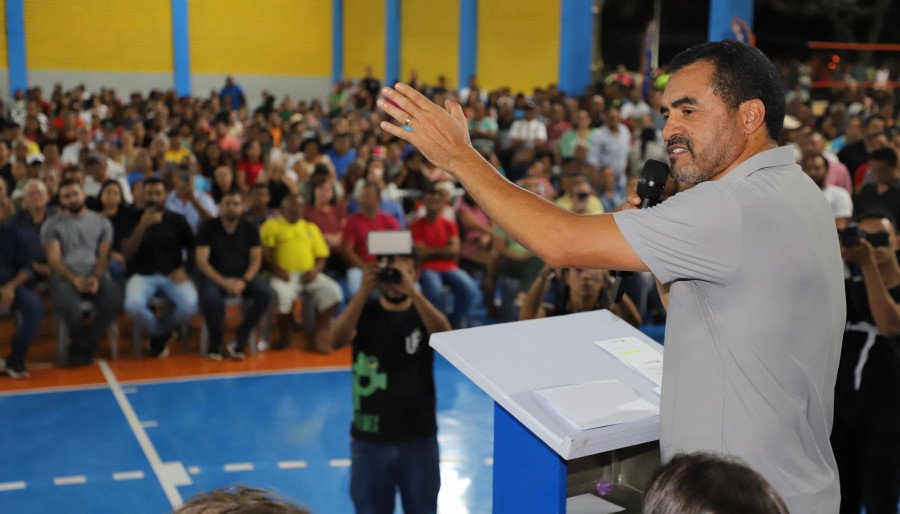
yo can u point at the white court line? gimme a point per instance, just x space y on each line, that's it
129 390
292 464
149 424
128 475
190 378
70 480
238 466
226 376
194 470
141 435
12 486
339 463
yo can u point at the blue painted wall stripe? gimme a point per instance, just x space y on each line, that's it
181 47
468 40
720 14
392 42
15 45
337 40
575 45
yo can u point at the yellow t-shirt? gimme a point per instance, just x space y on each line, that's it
176 156
296 245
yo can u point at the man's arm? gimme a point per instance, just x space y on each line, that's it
560 238
451 251
885 311
54 259
201 256
255 263
434 319
103 251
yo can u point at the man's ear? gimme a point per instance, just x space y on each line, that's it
752 115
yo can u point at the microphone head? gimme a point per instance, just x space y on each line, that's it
653 179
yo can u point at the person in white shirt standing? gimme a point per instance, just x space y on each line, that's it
609 145
529 130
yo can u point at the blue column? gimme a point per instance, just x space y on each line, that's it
529 477
720 14
337 40
181 47
15 46
575 45
392 42
468 40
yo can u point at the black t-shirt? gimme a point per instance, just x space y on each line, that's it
123 222
868 199
876 400
393 376
229 254
165 247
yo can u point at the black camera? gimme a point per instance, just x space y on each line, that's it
850 236
388 274
385 245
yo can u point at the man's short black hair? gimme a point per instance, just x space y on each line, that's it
232 192
876 214
742 73
153 180
873 118
810 157
68 182
885 154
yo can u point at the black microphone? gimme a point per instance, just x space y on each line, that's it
650 186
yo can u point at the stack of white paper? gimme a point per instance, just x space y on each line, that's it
596 404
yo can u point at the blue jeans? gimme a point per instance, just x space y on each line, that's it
141 288
466 293
31 309
379 469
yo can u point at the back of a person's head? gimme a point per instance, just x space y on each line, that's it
701 483
239 500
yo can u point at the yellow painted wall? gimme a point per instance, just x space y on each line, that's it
262 37
429 39
3 61
99 35
364 44
518 43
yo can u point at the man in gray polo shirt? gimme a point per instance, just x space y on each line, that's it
749 258
77 243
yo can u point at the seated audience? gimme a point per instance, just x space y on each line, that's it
16 298
437 242
157 253
575 290
356 231
295 252
229 256
77 243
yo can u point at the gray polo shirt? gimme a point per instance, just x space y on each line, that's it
755 319
79 237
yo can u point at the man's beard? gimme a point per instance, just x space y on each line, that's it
704 166
75 208
396 300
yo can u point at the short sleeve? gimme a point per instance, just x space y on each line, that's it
252 235
49 231
106 230
204 233
694 235
267 233
843 205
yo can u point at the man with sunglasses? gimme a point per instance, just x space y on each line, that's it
866 433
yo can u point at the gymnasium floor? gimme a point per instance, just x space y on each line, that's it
139 435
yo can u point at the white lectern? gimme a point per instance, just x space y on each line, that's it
531 446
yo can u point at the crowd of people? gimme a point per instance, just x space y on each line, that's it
166 207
